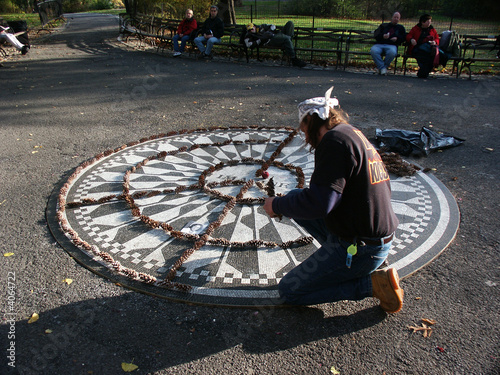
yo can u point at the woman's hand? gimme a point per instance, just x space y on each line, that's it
268 207
413 42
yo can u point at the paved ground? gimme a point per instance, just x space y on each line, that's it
78 92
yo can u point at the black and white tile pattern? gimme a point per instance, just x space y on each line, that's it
427 212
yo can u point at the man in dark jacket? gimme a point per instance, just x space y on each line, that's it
388 36
211 33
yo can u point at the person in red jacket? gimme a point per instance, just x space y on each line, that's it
186 27
423 41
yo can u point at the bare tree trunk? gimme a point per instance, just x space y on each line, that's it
226 11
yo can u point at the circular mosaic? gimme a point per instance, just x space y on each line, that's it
180 215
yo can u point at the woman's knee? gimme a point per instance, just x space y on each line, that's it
286 290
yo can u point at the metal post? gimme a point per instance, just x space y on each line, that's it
451 23
312 41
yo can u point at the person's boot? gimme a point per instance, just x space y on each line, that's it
298 62
385 286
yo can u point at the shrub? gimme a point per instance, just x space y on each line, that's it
8 6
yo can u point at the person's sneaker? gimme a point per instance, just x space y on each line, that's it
298 62
383 71
385 285
201 56
24 50
177 54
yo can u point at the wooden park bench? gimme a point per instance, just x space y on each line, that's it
145 28
471 49
329 43
480 49
313 44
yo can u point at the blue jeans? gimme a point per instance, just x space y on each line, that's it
390 53
200 41
324 276
175 42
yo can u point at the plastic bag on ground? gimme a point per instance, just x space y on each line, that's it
413 143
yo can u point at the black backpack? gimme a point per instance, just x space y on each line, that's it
450 43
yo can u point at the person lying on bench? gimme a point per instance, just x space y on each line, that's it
12 39
268 35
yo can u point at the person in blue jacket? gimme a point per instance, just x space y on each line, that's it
347 209
388 36
211 31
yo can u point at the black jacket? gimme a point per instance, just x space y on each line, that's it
397 31
214 26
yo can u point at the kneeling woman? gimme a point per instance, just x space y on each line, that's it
347 208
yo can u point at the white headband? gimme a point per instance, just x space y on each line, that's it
319 105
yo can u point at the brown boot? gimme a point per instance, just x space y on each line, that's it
385 285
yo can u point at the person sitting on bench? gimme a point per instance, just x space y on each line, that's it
388 36
186 27
211 32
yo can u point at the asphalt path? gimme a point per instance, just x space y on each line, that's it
79 92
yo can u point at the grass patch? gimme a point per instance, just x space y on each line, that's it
32 19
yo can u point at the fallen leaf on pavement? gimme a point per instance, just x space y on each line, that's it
429 321
33 318
427 331
129 367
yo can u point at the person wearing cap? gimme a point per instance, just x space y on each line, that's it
347 209
211 31
268 35
186 27
388 36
